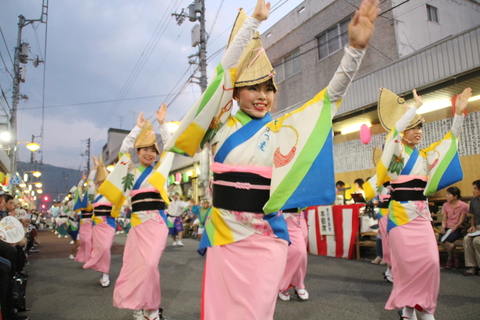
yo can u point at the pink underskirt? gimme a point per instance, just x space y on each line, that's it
102 240
415 266
85 247
241 279
138 285
296 267
385 242
265 172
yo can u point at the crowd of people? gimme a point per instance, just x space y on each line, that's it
255 220
14 256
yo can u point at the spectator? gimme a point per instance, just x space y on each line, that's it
358 186
454 213
471 242
190 215
202 217
175 223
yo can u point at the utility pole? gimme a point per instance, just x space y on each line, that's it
196 12
21 56
88 156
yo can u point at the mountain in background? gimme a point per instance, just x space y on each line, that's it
56 181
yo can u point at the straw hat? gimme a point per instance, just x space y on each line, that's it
377 155
237 25
391 108
102 172
146 137
254 66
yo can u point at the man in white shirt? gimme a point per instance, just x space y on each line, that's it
175 222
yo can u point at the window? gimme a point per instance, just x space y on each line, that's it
432 13
333 39
288 66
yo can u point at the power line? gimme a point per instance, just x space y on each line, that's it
137 68
98 102
6 46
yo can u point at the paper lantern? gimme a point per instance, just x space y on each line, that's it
365 134
178 177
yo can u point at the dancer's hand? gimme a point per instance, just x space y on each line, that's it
95 162
161 113
140 120
462 101
360 29
418 99
262 10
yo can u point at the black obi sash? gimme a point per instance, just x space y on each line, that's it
408 191
239 191
102 210
145 201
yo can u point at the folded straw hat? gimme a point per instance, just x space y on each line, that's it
391 108
146 137
254 66
102 172
377 155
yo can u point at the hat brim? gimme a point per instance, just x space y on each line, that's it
391 108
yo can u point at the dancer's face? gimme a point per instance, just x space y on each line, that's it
255 100
147 155
413 137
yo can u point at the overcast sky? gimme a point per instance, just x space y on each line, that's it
105 62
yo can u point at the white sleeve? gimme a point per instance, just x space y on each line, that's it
91 175
405 120
164 133
343 77
457 125
240 42
129 141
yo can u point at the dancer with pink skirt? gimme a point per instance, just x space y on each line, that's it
103 229
296 268
138 284
414 174
259 164
86 212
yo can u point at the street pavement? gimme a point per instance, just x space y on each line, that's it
59 289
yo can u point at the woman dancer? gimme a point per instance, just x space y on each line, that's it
138 285
84 203
413 174
297 259
247 249
103 229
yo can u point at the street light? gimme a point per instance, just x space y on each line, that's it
33 146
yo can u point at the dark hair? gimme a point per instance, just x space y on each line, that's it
8 197
477 184
340 183
360 182
156 151
454 191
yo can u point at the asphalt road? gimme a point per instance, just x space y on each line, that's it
59 289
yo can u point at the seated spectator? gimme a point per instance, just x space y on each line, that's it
471 243
454 212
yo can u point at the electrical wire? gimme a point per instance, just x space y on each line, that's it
154 39
6 46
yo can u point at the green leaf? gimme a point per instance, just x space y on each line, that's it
127 182
396 166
